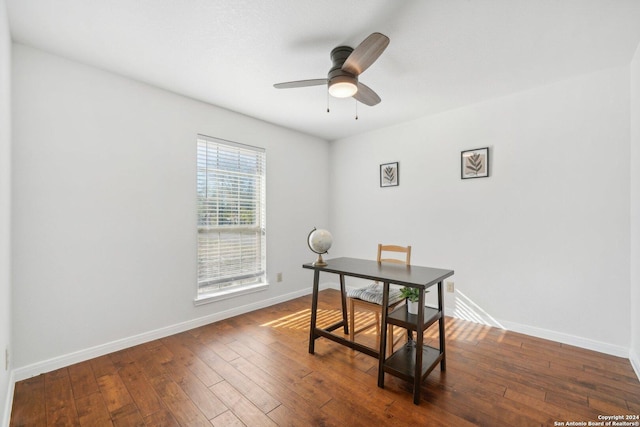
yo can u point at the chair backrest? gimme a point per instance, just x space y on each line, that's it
406 250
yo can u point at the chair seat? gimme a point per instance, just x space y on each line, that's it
373 294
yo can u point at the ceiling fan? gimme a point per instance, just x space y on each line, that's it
348 64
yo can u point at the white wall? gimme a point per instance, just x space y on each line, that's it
635 211
104 209
541 246
5 211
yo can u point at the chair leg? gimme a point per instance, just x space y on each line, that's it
390 340
352 323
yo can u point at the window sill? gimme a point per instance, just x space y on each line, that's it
231 293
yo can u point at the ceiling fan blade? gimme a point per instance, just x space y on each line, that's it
366 95
366 53
300 83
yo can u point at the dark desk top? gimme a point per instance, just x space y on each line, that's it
412 276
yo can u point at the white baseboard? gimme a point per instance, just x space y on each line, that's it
38 368
8 403
635 362
561 337
49 365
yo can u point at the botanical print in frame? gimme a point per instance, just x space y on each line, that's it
389 175
475 163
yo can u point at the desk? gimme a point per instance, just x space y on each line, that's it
405 363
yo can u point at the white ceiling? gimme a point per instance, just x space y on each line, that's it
443 53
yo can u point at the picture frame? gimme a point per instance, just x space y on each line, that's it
474 163
389 174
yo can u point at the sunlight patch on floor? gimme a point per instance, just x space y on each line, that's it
469 322
301 320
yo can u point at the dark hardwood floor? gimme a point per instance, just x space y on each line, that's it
255 370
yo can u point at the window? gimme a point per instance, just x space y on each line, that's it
231 217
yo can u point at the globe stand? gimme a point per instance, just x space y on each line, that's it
319 262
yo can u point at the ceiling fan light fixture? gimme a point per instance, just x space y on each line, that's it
343 86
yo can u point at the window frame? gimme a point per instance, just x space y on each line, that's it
256 230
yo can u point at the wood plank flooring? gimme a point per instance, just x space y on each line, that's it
255 370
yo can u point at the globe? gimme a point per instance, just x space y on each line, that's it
320 242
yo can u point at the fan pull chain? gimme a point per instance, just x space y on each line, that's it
356 110
328 102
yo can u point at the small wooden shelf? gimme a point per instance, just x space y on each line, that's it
414 355
401 317
402 363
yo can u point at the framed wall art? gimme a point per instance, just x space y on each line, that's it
389 175
475 163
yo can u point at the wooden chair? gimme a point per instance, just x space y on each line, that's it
369 298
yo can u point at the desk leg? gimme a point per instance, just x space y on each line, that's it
443 362
314 311
383 334
417 373
343 295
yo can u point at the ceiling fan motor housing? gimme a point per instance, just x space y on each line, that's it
336 73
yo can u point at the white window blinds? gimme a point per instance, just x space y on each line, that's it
231 215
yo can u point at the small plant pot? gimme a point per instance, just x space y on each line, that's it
412 307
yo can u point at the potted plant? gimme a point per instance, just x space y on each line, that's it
412 295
